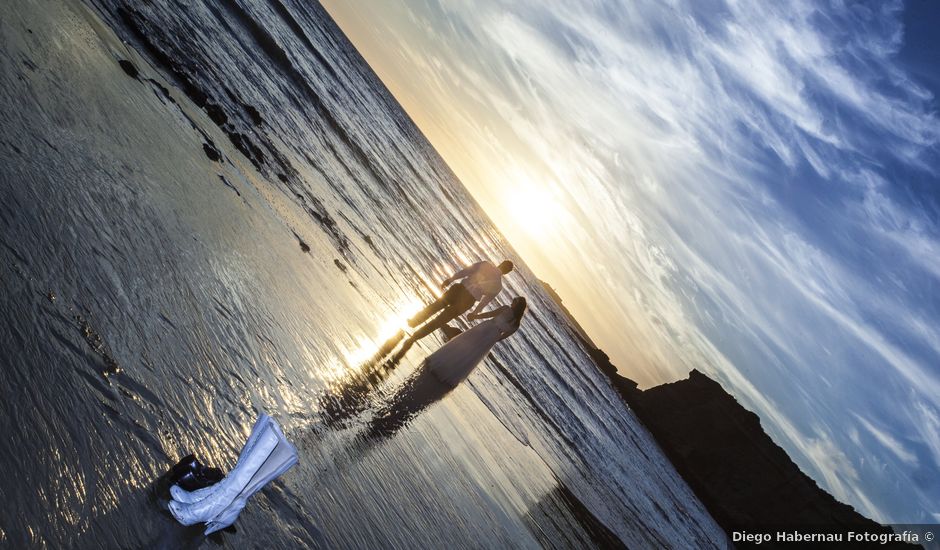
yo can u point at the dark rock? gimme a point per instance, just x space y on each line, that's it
244 144
303 246
98 345
253 114
342 267
319 213
229 185
216 113
163 90
744 479
211 152
138 26
128 68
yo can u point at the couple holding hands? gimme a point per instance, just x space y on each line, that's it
477 284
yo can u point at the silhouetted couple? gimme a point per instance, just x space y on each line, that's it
478 284
446 367
452 363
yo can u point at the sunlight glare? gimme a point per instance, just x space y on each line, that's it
532 206
366 347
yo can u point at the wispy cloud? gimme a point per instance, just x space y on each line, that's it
889 442
738 191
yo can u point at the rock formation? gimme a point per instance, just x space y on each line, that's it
744 479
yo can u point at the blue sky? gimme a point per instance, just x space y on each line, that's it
746 188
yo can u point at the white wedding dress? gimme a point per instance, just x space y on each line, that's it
453 362
266 455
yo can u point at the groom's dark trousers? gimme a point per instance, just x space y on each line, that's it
455 301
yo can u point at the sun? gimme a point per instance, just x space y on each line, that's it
533 207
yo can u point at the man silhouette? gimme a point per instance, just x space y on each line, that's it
479 283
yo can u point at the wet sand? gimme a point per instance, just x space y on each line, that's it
183 247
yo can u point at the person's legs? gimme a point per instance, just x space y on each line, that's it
447 315
460 302
431 309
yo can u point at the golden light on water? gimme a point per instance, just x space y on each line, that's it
461 258
365 347
394 322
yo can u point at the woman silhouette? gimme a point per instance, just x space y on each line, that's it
456 359
446 368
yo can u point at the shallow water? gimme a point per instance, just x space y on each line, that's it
236 221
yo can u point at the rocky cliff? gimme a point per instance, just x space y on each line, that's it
741 475
746 481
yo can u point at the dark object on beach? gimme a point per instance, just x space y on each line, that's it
128 68
253 114
216 114
303 246
211 152
340 265
191 475
98 345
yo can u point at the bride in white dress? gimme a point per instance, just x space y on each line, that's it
445 369
456 359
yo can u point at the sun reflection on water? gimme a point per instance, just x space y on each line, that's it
365 346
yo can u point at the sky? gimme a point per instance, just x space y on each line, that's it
746 188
